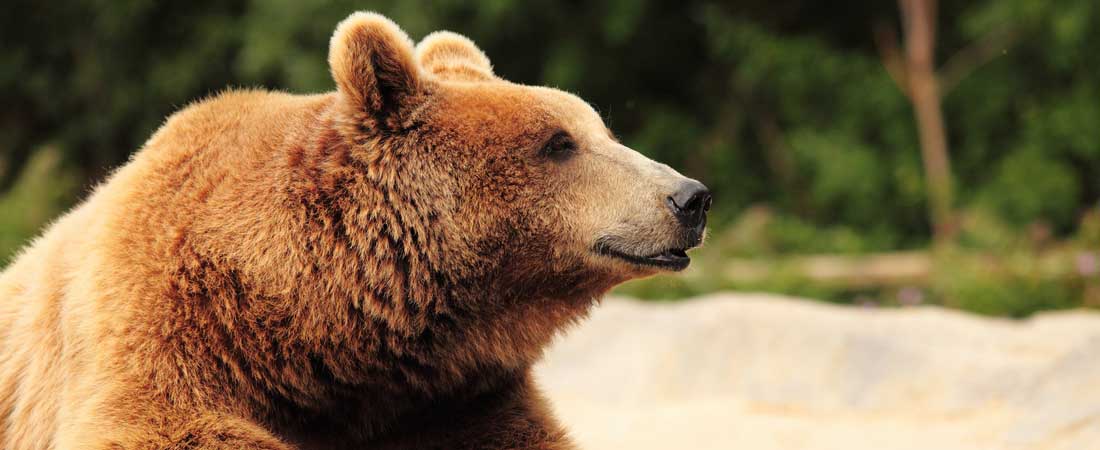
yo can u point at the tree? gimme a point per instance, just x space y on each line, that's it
916 76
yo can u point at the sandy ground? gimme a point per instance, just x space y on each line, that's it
738 371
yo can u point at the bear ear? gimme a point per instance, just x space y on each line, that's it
372 62
452 56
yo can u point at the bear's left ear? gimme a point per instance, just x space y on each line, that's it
451 56
372 63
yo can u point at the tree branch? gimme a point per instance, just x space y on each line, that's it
977 54
886 40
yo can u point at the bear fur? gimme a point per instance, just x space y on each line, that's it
376 267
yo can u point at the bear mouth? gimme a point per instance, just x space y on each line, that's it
674 259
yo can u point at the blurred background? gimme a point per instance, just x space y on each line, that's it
870 152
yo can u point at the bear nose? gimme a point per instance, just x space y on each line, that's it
690 204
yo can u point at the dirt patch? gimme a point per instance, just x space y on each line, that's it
769 372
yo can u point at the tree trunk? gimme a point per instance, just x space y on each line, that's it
923 88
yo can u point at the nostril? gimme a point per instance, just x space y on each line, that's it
700 201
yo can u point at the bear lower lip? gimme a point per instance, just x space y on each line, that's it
673 259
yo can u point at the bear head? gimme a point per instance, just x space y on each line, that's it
503 201
529 178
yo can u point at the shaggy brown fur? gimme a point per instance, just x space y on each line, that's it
376 267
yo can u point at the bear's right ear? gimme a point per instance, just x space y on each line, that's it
372 63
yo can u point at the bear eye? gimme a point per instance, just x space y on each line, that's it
559 147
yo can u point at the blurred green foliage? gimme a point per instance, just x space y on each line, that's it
42 192
779 104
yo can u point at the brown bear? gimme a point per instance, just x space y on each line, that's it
376 267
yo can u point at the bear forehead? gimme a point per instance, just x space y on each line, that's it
501 107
